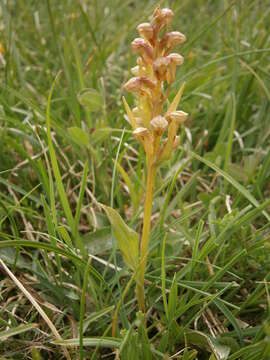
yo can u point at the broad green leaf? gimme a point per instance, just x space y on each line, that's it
204 341
78 135
10 256
127 238
93 341
98 241
100 134
91 99
238 172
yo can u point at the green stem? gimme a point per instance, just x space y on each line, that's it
146 232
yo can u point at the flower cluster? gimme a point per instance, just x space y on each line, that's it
153 75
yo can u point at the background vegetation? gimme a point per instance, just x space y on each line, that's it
209 267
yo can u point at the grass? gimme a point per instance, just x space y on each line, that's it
208 274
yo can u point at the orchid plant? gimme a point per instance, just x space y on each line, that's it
155 123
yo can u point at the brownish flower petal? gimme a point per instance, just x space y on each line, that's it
144 49
159 125
146 31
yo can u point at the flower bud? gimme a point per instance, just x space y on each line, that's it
146 31
159 125
179 116
144 136
171 142
145 50
175 58
148 82
175 118
141 132
162 17
167 13
175 38
139 84
133 85
172 39
160 67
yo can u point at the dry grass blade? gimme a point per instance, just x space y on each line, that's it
36 306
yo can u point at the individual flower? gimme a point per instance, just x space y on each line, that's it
145 50
146 31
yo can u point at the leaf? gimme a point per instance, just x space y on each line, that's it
56 170
80 199
96 316
91 99
130 114
135 196
93 341
238 172
190 355
174 104
101 133
163 277
16 330
78 135
9 255
98 241
48 247
231 180
202 340
172 299
127 238
35 354
229 315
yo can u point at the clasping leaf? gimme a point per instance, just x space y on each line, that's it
127 238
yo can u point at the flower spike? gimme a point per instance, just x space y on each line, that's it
154 126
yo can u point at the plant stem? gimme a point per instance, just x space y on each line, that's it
151 171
